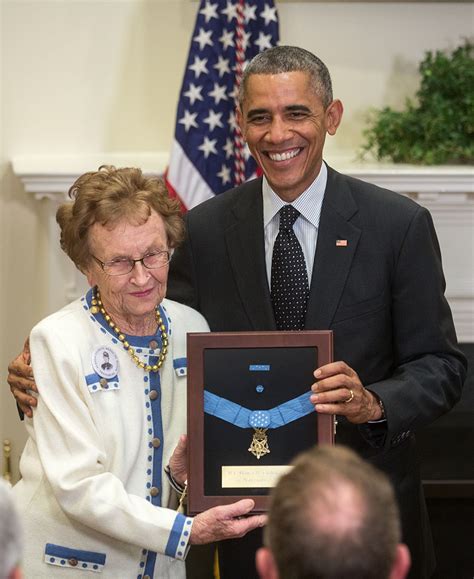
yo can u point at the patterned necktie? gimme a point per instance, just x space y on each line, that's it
289 279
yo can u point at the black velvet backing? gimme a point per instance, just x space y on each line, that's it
227 374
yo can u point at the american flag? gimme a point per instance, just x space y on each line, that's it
208 155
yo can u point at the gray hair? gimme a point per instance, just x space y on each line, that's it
10 532
280 59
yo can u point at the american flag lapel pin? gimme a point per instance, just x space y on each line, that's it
341 242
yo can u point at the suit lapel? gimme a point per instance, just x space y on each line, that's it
336 247
244 237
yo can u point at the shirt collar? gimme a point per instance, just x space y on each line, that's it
308 203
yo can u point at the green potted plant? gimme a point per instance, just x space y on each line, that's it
439 127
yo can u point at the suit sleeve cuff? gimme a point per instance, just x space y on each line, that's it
374 432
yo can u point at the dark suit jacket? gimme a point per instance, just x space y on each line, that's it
382 295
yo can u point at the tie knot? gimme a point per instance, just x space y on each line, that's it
288 216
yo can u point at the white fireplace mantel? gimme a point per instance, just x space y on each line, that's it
447 191
52 175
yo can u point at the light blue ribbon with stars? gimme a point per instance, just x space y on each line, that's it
245 418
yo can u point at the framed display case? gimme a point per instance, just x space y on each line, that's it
249 412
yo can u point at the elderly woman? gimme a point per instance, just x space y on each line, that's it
110 369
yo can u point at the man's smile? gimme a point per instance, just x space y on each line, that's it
286 155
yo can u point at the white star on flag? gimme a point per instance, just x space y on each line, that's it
268 14
209 11
228 148
222 66
227 39
246 40
233 120
218 93
194 93
249 13
213 120
234 93
224 174
264 41
230 11
208 146
203 38
199 66
189 120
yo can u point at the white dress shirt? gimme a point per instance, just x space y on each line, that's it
306 226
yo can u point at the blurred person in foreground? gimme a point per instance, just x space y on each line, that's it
333 516
105 458
10 535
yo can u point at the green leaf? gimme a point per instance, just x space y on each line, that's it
440 127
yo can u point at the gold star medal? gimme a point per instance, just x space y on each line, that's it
259 420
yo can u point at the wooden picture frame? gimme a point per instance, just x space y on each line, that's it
238 384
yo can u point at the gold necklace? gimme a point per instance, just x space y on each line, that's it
98 306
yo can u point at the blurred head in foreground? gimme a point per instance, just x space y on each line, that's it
333 516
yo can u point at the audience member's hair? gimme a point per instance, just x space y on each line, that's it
10 533
108 196
333 516
281 59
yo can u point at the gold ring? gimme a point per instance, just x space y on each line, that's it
351 397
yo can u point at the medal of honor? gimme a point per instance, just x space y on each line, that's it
259 420
259 446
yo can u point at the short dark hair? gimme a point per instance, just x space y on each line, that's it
333 516
280 59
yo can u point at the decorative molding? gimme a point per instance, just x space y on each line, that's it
447 192
51 176
463 314
46 174
425 182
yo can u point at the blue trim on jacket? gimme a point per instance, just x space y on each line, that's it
68 553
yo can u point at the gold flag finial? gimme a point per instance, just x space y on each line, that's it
7 473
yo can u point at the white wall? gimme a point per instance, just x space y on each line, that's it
91 77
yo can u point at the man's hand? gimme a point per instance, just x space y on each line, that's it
21 381
338 390
225 522
178 462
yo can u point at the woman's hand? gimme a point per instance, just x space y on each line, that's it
21 380
225 522
178 461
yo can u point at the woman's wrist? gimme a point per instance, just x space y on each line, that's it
176 484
